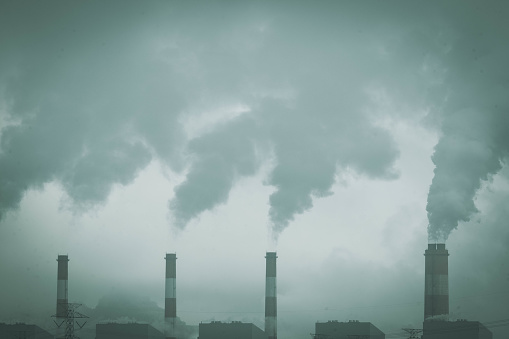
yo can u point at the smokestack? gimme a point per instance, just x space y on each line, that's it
170 304
270 296
62 293
436 283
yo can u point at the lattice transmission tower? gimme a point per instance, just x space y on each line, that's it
414 332
70 319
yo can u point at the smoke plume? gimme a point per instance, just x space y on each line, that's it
474 142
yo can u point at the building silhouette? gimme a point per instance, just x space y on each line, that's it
127 331
23 331
233 330
352 329
461 329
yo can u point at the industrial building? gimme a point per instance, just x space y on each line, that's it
233 330
130 330
461 329
21 330
347 330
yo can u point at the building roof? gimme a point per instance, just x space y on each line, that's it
336 329
231 330
22 330
436 329
130 330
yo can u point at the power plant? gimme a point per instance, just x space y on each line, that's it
436 324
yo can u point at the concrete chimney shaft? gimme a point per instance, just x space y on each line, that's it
62 293
436 282
170 304
271 296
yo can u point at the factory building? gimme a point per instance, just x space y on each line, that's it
460 329
130 330
21 330
347 330
233 330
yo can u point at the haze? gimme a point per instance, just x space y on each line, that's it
342 135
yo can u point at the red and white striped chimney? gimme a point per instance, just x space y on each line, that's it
62 294
170 304
270 296
436 282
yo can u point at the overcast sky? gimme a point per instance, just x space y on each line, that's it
342 135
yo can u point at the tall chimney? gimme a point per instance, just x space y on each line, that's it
270 296
62 294
170 304
436 283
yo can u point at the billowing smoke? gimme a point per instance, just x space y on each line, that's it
464 158
220 158
89 106
474 142
307 110
91 92
85 105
